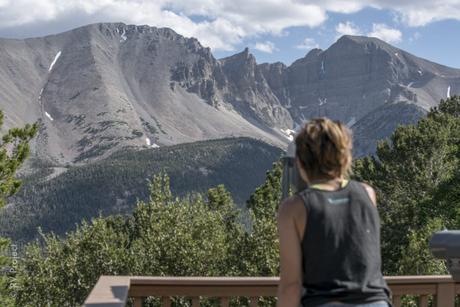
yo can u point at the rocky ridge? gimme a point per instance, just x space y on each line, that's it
102 87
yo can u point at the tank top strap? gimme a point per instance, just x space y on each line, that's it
319 186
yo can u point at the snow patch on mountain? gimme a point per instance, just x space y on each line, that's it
148 142
123 36
55 60
288 133
49 116
351 122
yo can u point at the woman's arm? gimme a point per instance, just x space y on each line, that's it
290 286
371 192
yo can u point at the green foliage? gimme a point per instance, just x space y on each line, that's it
5 278
189 236
262 241
416 178
14 149
113 185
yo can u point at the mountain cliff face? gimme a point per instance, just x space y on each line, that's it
102 87
105 86
364 82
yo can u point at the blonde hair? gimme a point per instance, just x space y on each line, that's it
324 149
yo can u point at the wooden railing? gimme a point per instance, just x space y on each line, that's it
114 291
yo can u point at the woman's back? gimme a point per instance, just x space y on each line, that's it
341 247
329 240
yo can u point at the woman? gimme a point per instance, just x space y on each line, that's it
330 232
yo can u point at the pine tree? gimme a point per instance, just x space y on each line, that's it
14 149
415 175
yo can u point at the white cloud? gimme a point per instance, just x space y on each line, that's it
223 23
430 11
384 32
379 30
308 43
412 13
347 28
267 47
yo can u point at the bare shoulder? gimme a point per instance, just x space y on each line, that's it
291 207
370 190
292 217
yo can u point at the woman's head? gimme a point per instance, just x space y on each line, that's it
323 149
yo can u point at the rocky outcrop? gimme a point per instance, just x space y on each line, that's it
102 87
105 86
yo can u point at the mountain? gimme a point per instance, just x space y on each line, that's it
361 81
113 184
117 102
99 88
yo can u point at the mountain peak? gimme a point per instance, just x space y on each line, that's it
313 53
363 41
244 56
123 29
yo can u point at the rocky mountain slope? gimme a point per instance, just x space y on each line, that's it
101 87
364 82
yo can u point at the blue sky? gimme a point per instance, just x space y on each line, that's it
437 41
274 30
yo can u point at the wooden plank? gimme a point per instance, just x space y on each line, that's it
165 301
260 281
422 279
253 301
396 301
224 301
206 281
423 301
415 289
209 291
109 291
445 295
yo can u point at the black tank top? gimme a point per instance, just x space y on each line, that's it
341 248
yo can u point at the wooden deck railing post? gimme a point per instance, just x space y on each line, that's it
396 301
224 302
165 301
445 295
138 301
195 302
423 301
